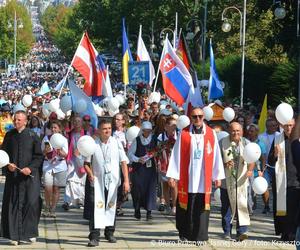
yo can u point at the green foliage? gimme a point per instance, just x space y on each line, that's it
24 35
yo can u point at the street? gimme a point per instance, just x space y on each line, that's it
69 231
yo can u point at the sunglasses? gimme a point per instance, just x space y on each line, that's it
197 116
87 120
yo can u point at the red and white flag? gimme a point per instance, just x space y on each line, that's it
86 63
143 55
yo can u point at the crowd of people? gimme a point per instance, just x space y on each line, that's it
164 168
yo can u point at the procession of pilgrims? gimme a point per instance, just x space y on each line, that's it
144 150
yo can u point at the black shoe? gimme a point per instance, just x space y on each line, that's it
111 238
93 243
266 210
66 206
242 237
162 207
120 212
149 216
227 236
182 238
137 214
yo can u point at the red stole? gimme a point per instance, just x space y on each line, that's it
185 154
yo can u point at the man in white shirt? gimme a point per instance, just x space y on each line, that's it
102 185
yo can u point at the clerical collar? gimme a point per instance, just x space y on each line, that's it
21 130
197 130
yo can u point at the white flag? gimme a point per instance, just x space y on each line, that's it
143 55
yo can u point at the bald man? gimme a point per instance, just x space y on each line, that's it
234 194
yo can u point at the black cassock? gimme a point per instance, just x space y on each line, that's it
21 206
287 225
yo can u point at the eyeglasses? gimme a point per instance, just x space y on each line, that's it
197 116
86 120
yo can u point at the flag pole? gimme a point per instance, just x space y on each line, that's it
175 31
69 68
157 73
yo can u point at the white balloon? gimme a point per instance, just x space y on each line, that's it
251 152
154 97
60 114
98 110
113 112
228 114
45 110
182 122
27 100
86 145
284 113
221 135
208 113
54 105
260 185
132 133
113 104
57 140
4 158
217 195
66 103
18 107
121 99
80 106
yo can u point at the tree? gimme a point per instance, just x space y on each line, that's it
24 35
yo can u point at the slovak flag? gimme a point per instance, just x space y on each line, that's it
85 61
143 55
177 81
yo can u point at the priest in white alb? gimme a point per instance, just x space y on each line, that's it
195 163
102 184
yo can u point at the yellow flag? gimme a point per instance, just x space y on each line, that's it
263 116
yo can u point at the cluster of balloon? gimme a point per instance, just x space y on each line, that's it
27 100
4 158
284 113
132 133
228 114
86 145
182 122
208 113
154 97
57 141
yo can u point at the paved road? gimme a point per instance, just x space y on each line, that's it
69 231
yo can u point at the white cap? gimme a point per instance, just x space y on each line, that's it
146 125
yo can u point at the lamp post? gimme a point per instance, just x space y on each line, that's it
280 13
16 26
226 27
163 33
